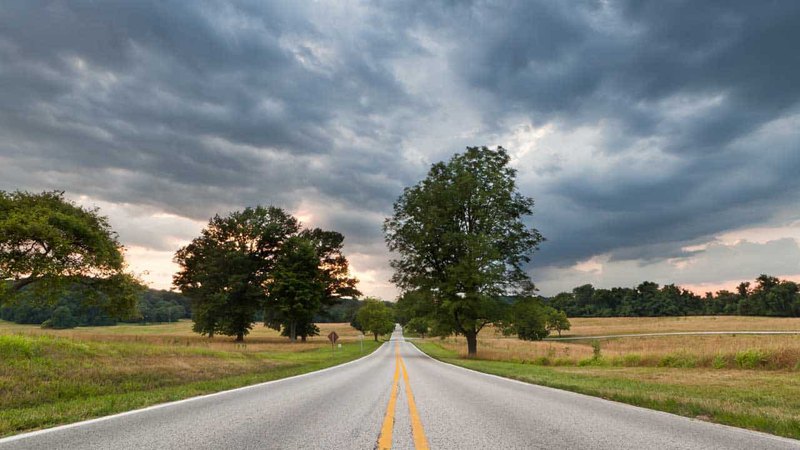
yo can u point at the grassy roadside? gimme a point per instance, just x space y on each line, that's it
757 400
48 380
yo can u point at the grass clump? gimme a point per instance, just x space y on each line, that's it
751 359
719 362
681 359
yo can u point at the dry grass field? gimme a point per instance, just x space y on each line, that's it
632 325
48 377
260 339
750 381
729 351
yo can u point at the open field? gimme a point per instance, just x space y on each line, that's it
591 326
751 381
732 351
50 377
773 352
766 401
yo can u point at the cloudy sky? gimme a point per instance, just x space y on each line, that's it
661 140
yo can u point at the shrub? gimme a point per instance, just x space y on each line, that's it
682 360
62 318
751 359
592 362
631 360
596 349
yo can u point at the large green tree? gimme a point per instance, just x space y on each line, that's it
296 291
375 317
527 318
49 244
225 271
311 273
260 259
459 235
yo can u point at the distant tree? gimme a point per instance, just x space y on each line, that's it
414 304
375 317
49 244
460 238
527 319
225 270
418 325
62 318
556 321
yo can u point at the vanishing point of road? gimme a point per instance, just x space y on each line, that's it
400 398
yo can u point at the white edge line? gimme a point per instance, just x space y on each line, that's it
31 434
627 405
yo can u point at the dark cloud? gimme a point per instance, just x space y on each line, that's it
662 123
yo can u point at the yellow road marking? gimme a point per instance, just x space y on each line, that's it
385 439
420 441
417 430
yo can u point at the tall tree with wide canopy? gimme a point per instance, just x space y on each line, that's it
260 259
311 272
459 235
226 269
48 244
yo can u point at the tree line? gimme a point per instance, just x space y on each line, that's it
70 310
766 296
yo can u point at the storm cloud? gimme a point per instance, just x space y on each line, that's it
644 130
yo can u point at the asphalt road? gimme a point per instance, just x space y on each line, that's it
345 407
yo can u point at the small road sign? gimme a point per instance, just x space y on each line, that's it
333 337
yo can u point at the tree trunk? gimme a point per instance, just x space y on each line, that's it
472 343
302 338
293 331
240 336
376 337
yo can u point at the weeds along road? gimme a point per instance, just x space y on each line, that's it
401 398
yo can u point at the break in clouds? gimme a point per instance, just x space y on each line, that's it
661 140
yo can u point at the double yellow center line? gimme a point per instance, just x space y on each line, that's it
385 439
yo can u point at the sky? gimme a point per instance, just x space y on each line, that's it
660 140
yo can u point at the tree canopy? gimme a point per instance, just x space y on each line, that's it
296 291
459 236
48 243
261 260
375 317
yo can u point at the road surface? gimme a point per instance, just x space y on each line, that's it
397 396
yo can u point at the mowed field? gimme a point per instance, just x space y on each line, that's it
50 377
751 381
632 325
719 351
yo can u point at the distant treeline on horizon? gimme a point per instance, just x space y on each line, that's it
767 296
154 306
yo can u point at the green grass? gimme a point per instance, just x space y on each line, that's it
49 380
762 401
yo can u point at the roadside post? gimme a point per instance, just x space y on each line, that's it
333 337
361 341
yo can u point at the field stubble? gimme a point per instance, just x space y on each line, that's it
728 351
